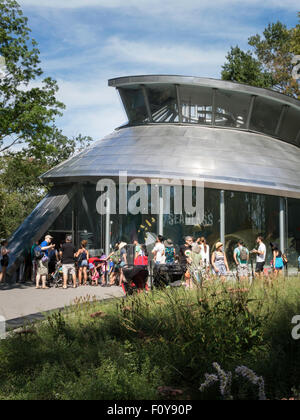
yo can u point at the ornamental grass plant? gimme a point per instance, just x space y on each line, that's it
145 346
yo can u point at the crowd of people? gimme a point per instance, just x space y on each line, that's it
199 262
194 256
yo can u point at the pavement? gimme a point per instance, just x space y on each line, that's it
21 302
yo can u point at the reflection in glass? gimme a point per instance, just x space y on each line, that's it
291 125
249 215
265 116
134 103
196 104
231 109
163 103
293 232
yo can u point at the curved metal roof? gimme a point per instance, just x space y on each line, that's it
120 82
223 159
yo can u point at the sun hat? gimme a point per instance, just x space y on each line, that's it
122 244
219 244
169 243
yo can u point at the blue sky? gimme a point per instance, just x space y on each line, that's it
83 43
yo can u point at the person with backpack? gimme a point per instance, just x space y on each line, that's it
82 256
115 258
241 257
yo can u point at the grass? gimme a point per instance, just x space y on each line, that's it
158 345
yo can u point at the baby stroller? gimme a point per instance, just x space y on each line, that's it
56 279
167 274
136 279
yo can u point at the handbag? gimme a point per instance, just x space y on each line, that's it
45 259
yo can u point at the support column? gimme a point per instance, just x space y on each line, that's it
282 224
107 227
161 213
222 217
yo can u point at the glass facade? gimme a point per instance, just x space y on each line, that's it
167 103
247 215
293 240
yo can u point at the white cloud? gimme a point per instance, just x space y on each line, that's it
166 54
80 94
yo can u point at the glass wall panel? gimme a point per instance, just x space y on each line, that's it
62 225
163 103
290 127
265 116
232 108
134 103
90 224
249 215
176 226
293 232
196 104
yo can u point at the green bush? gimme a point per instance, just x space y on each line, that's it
129 348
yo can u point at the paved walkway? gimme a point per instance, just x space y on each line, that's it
18 301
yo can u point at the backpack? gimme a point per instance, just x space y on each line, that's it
116 257
80 258
38 254
244 254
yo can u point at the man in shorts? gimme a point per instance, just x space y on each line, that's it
67 254
241 258
261 254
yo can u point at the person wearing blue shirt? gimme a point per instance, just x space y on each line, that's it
42 264
46 245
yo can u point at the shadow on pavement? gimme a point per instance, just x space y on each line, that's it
10 286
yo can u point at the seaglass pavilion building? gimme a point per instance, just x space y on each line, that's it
241 143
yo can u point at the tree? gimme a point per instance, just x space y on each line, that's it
30 142
270 64
28 106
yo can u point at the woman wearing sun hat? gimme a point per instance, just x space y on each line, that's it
219 262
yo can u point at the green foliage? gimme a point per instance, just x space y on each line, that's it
129 349
30 142
28 106
242 67
269 64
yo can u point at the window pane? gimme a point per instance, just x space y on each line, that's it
266 114
291 125
293 232
134 103
196 103
163 103
249 215
232 109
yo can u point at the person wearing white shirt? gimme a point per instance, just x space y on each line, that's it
159 251
204 252
261 254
